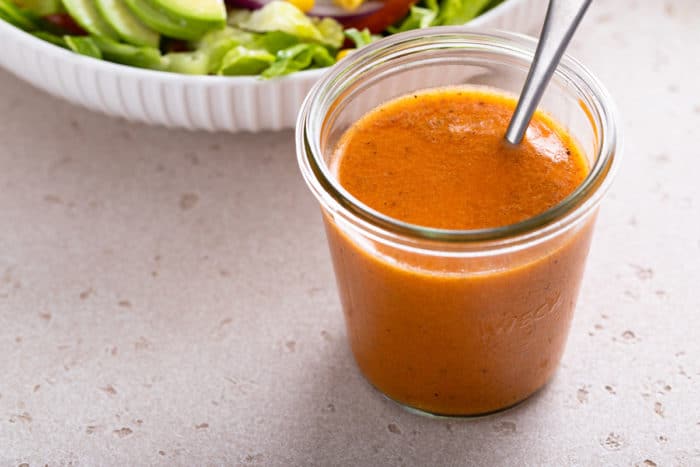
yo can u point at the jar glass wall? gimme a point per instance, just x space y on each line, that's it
455 322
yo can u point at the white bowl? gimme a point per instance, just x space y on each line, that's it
212 103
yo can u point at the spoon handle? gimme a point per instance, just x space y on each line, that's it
563 17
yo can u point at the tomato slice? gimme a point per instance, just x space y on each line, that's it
391 13
65 24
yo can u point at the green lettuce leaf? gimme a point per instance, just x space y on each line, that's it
493 4
275 41
360 38
418 17
428 13
244 61
331 32
216 44
213 38
188 63
454 12
297 58
228 51
285 17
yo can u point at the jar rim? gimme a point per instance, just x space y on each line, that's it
576 205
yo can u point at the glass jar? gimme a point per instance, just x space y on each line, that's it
451 322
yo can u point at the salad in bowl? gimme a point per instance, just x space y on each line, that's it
239 65
234 38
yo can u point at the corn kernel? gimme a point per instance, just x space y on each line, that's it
343 53
303 5
349 5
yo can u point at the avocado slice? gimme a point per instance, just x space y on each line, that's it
127 25
85 13
169 24
205 11
141 57
160 22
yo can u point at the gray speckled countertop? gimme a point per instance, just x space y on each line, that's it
167 297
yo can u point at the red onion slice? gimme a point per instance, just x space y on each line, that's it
322 9
247 4
327 9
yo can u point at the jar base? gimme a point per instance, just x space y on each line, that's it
441 416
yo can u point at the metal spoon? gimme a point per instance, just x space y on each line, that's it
563 17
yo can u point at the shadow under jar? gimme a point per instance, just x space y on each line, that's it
455 322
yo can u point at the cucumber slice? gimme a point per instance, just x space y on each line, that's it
52 38
159 21
41 7
16 17
83 46
206 11
85 13
141 57
127 25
